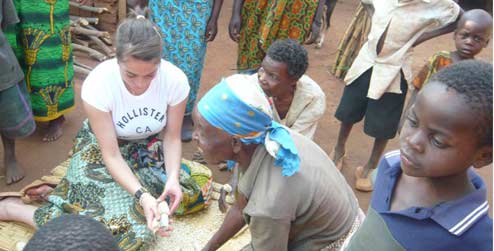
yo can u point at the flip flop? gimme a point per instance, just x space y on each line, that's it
363 184
5 195
28 198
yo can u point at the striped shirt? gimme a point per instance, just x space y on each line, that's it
461 224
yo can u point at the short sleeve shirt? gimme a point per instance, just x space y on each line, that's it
10 71
135 117
305 211
421 16
460 225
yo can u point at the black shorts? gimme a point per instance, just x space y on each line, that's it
382 116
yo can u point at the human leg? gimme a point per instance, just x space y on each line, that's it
13 209
18 123
54 129
339 149
381 123
363 180
351 110
12 172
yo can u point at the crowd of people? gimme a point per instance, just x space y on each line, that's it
141 105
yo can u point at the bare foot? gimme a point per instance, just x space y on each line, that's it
54 129
337 154
13 174
39 193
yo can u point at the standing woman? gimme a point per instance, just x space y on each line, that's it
42 44
187 26
254 25
120 170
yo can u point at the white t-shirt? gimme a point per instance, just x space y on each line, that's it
135 117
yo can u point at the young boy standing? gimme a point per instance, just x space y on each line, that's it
427 196
377 80
472 34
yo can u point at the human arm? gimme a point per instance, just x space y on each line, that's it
315 28
223 193
233 222
102 127
172 151
438 32
212 26
235 21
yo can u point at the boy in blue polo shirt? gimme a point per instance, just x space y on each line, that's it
427 195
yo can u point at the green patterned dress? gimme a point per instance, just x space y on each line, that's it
88 188
42 44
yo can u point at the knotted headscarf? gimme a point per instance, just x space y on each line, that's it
240 108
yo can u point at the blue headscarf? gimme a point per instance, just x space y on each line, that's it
248 119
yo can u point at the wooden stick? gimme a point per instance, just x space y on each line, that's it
108 51
122 10
87 67
106 39
98 10
84 20
89 32
92 53
81 70
80 41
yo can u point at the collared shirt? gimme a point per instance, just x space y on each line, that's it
461 224
406 22
10 71
307 107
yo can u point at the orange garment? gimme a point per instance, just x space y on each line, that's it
436 63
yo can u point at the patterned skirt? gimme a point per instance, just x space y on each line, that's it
265 21
42 44
183 25
88 188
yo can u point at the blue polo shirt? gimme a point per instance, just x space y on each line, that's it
461 224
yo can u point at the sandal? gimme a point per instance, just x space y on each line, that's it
363 184
5 195
340 163
34 193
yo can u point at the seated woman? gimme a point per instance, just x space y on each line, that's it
290 194
298 101
117 173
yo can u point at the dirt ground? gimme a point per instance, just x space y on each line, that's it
38 158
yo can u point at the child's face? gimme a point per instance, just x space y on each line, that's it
438 138
471 38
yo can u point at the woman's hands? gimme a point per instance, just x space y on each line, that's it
172 191
150 206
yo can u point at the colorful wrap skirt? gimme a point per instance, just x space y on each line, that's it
264 21
42 44
88 188
183 25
